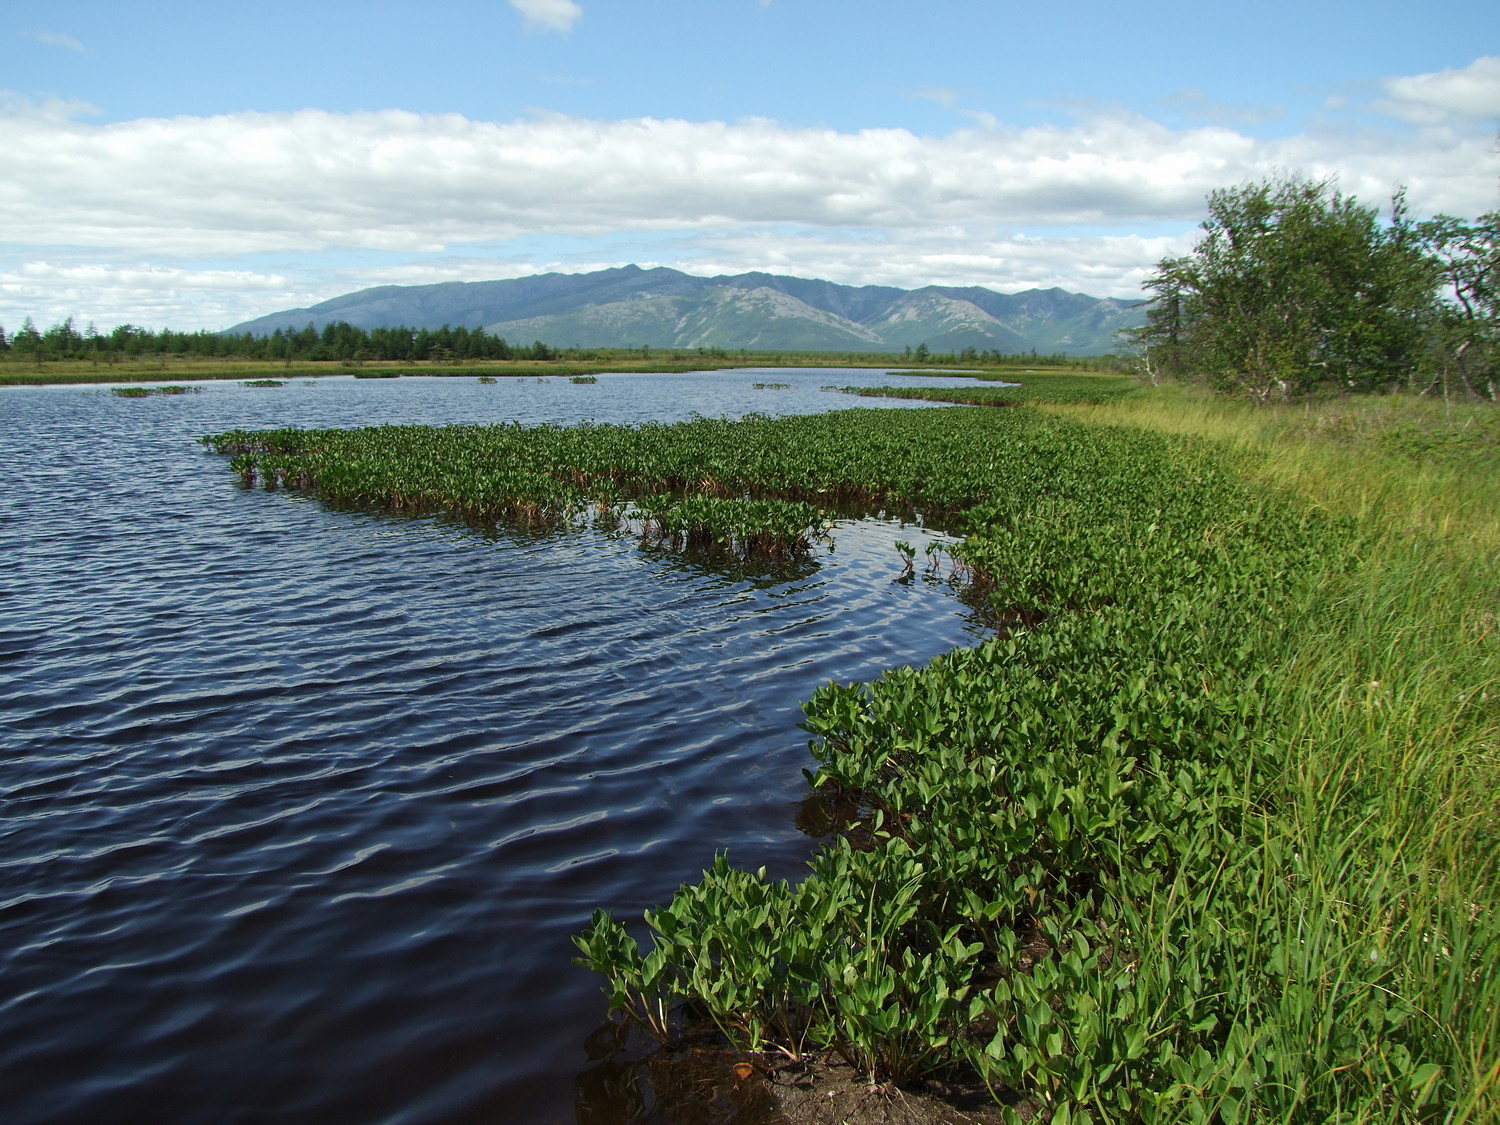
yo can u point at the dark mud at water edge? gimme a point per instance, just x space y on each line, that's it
301 806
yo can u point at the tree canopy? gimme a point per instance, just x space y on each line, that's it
1295 287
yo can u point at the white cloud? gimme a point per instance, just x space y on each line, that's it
393 180
1472 91
402 181
57 39
996 205
548 15
141 293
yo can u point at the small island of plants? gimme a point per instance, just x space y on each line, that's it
147 392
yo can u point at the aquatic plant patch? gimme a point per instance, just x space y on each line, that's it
147 392
1086 876
1029 387
1206 832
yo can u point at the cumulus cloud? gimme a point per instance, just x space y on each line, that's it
1472 91
548 15
996 205
142 293
57 39
402 181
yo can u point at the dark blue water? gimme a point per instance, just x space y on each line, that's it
299 806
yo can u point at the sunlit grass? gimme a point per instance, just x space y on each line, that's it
1403 465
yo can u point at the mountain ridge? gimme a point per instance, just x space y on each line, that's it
628 306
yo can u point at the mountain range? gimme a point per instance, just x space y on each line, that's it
629 306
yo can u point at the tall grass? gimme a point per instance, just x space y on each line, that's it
1399 464
1385 842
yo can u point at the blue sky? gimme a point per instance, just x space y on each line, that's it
194 165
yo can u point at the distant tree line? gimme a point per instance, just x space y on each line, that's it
1295 288
973 357
341 341
337 341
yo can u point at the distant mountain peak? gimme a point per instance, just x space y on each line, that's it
627 306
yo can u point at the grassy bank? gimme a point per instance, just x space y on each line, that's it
1207 832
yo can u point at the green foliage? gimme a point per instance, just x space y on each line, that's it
756 528
1206 832
1292 288
63 354
690 483
1029 386
1464 352
146 392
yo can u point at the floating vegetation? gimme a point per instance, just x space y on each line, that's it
767 529
770 386
377 374
146 392
545 475
487 379
583 379
1038 387
1206 831
263 383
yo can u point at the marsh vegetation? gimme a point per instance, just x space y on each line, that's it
147 392
1206 831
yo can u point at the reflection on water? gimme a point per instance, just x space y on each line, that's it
301 805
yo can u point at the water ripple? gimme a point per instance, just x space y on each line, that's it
301 805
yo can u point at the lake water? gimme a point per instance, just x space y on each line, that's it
299 806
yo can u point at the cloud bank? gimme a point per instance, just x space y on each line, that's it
993 205
1473 91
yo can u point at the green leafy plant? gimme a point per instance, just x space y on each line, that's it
1206 831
